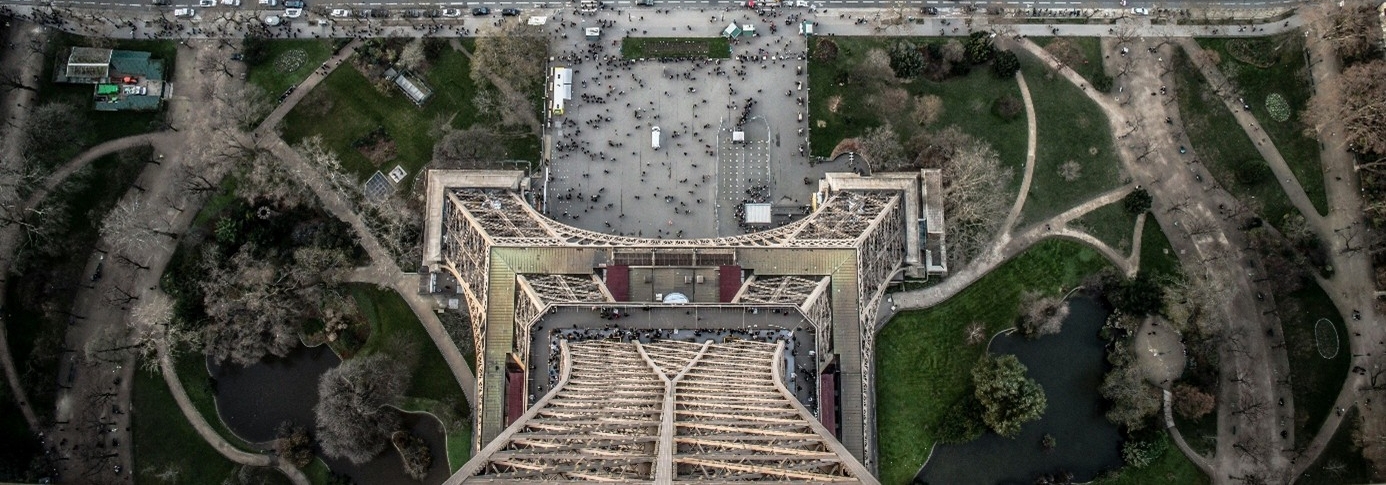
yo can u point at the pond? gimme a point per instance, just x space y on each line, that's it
253 400
1069 366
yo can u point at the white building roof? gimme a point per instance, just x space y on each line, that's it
758 213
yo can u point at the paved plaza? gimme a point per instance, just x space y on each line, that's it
606 175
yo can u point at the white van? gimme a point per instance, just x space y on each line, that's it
654 137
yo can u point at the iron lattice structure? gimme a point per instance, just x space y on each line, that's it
667 412
512 265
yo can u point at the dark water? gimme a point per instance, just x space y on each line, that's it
253 400
1070 366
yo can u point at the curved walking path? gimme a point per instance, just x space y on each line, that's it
1012 246
1167 398
210 435
9 241
1032 130
382 271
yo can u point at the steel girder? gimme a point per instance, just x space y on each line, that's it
667 412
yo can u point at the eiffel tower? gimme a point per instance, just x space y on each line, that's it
615 358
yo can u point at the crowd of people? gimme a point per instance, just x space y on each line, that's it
600 141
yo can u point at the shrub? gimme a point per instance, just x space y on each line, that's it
825 50
1137 201
1191 402
1004 64
1007 107
1278 108
979 47
1140 452
906 60
1102 82
962 422
1252 172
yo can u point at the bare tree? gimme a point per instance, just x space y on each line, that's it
1361 107
353 421
472 148
515 56
976 196
242 103
130 227
927 109
252 309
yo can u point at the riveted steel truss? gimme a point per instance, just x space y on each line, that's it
846 215
790 290
667 412
539 292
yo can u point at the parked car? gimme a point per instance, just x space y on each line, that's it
340 12
295 4
413 13
1140 10
231 3
293 13
481 11
645 3
452 12
379 13
160 2
269 3
237 56
510 12
206 3
183 12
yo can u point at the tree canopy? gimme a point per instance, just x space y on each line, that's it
1008 398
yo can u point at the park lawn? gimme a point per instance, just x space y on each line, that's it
1069 127
657 47
1314 380
1111 224
164 440
432 388
1090 48
36 335
192 372
1224 149
1171 467
967 102
923 356
1157 256
268 76
1289 77
346 107
459 449
1201 434
390 317
1341 460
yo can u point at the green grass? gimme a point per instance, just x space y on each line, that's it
346 107
192 371
1314 380
967 102
1157 256
1171 467
1111 224
164 440
1070 127
1341 461
1289 77
923 356
1201 434
390 317
1090 52
657 47
432 387
459 450
1224 148
267 75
